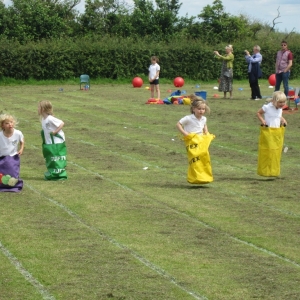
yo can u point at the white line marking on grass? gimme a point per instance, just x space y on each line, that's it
234 149
226 233
238 239
143 260
105 178
287 212
164 169
197 220
41 289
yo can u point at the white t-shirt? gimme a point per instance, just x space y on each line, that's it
191 124
272 115
49 125
153 69
9 145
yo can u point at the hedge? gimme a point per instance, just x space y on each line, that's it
125 58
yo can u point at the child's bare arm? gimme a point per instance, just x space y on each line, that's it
181 129
58 128
260 115
205 129
283 121
20 152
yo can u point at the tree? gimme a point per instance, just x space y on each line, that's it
104 17
158 20
219 26
40 19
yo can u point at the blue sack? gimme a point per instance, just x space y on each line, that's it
176 93
10 171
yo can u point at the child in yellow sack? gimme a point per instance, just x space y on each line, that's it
271 114
197 141
271 136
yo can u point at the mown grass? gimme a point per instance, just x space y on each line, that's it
114 230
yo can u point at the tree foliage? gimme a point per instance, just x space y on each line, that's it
48 38
34 20
39 19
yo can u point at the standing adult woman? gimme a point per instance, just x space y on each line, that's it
226 79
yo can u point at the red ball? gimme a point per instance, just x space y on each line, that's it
272 79
137 82
178 82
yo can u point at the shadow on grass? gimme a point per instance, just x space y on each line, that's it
32 178
184 186
248 179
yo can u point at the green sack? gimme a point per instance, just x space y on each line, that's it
55 157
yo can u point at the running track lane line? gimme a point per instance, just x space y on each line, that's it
136 255
261 249
14 261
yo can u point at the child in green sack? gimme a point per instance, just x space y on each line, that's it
52 135
50 124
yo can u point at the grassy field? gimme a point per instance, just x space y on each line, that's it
118 230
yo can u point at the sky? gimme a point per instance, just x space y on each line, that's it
261 10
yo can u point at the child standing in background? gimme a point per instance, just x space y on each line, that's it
11 147
54 149
154 70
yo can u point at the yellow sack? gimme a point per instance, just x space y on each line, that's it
269 151
186 101
199 170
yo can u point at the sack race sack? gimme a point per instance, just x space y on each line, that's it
56 159
199 169
269 151
9 174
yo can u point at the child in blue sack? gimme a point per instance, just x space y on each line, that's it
11 147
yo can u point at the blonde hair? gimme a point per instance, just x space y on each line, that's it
230 47
278 97
193 97
197 102
46 107
257 48
4 117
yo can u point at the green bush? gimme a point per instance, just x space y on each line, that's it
114 58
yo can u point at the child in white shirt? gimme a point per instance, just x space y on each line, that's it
271 114
196 122
154 70
54 148
11 139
